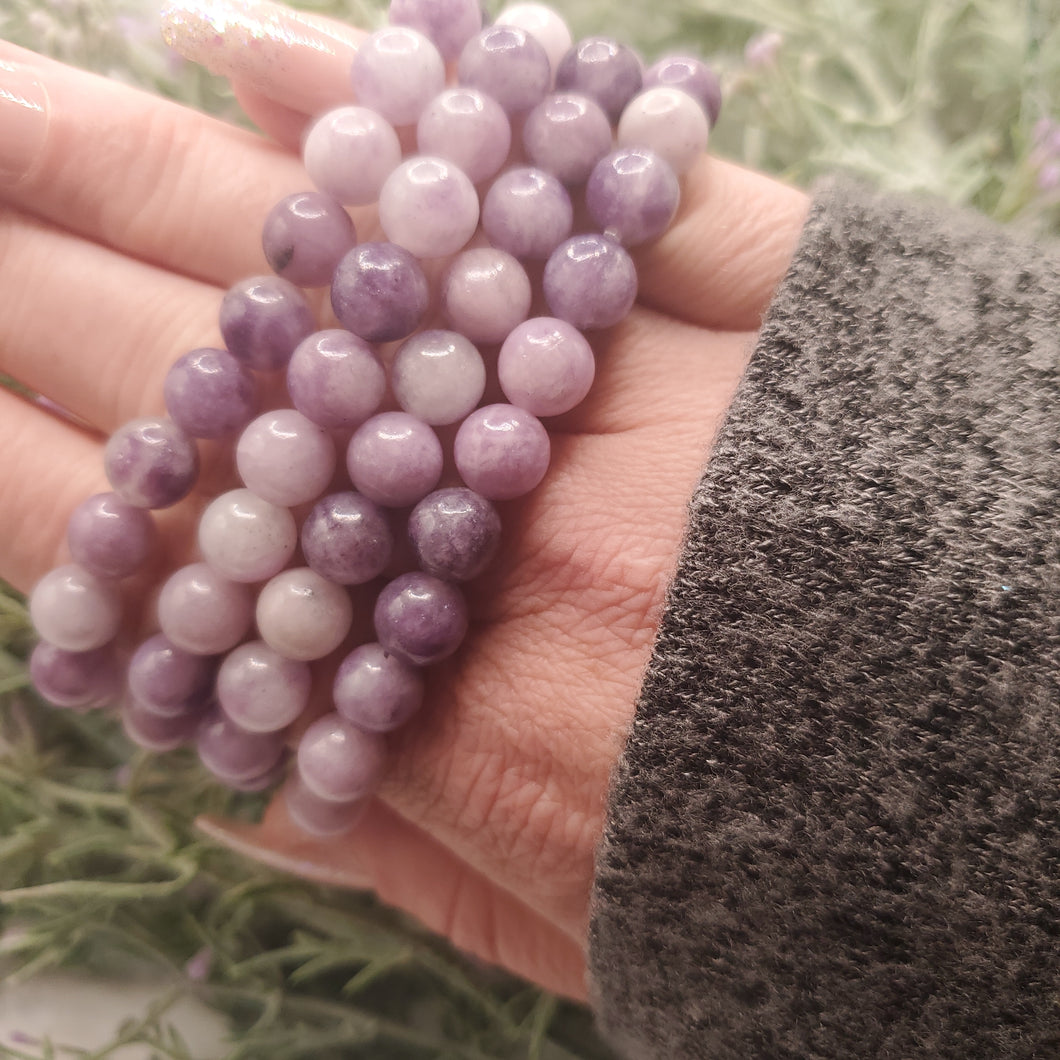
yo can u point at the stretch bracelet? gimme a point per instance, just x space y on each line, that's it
350 485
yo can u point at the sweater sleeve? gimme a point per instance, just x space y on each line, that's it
835 829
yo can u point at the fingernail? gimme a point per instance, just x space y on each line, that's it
24 114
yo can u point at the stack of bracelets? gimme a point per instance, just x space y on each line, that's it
593 124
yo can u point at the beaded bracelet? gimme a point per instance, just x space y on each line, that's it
595 126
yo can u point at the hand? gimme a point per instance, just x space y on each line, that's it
115 246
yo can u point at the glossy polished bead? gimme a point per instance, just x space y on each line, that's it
590 282
202 612
438 376
151 462
346 538
262 319
376 690
420 617
396 72
546 366
209 393
467 128
303 616
485 293
336 379
380 292
669 122
109 538
156 732
77 680
633 195
566 134
232 753
246 538
508 65
339 762
165 680
304 237
543 24
394 459
260 690
319 817
501 451
349 152
527 212
448 24
455 533
602 68
691 75
285 458
74 610
429 207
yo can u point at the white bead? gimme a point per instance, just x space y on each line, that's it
397 72
303 616
349 152
75 610
429 207
544 24
668 121
245 538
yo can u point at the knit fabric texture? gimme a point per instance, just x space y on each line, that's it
835 831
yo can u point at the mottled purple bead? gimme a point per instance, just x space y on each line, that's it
429 207
304 237
455 533
209 393
151 463
376 690
527 212
469 129
336 379
420 617
347 539
448 24
507 64
602 68
78 680
691 75
168 681
75 610
109 538
546 366
155 732
396 71
262 320
379 292
633 195
566 134
394 459
232 753
339 762
323 818
590 282
501 451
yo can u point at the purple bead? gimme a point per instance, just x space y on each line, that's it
438 376
501 451
154 732
380 292
209 393
304 237
420 617
691 75
508 65
75 610
167 681
455 533
202 612
590 282
567 134
285 458
262 320
151 463
349 152
347 539
395 72
77 680
319 817
338 762
633 195
232 753
546 366
261 691
335 379
376 690
109 538
394 459
469 129
527 212
602 68
448 24
543 24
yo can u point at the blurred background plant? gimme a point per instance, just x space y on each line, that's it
100 865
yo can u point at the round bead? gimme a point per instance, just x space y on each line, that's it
633 195
691 75
546 366
669 122
261 691
323 818
232 753
349 152
304 237
543 24
109 538
396 72
347 539
77 680
420 617
380 292
262 319
467 128
337 761
335 379
485 293
394 459
438 376
155 732
376 690
167 681
429 207
567 134
202 612
209 393
303 616
508 65
527 212
501 451
285 458
590 282
151 463
246 538
74 610
448 24
455 533
602 68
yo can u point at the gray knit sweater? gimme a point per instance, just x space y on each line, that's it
835 832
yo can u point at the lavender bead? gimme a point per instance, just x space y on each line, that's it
338 762
455 533
304 237
429 207
262 320
321 818
669 122
153 732
420 617
335 379
633 195
438 376
485 293
231 753
109 538
566 134
349 152
468 129
508 65
379 292
602 68
151 463
261 691
527 212
691 75
262 781
346 538
394 459
246 538
167 681
376 690
546 366
303 616
209 393
590 282
77 680
448 24
75 610
396 71
285 458
501 451
202 612
543 24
